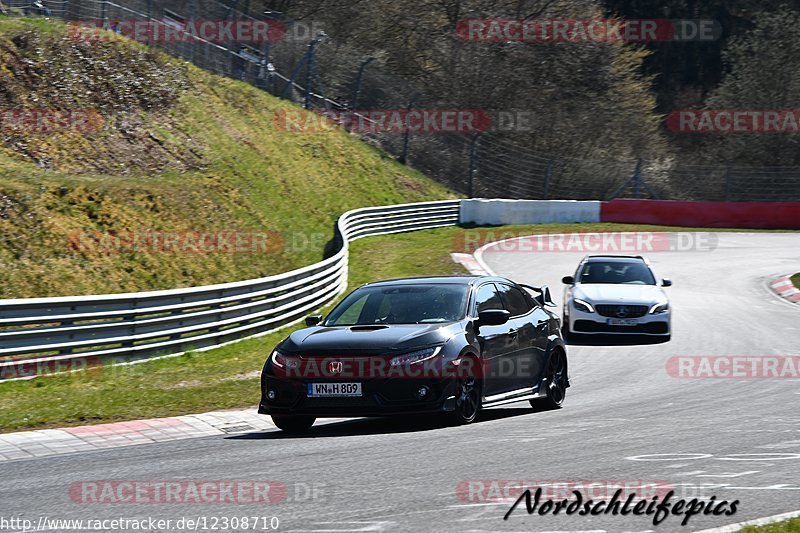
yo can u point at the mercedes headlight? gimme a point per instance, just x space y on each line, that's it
582 305
659 308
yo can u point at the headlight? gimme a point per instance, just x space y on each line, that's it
280 360
415 357
659 308
582 305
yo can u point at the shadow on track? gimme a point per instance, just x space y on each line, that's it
380 426
614 340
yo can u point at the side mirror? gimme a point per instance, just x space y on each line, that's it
493 317
545 299
666 282
568 280
313 320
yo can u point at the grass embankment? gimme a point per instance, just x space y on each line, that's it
790 526
228 377
176 153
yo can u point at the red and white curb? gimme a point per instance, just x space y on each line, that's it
44 442
784 288
470 263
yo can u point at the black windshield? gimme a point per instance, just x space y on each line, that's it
635 273
401 304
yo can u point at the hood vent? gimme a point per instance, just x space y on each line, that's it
368 327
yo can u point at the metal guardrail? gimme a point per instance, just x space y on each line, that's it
36 332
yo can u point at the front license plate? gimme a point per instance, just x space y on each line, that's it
622 322
334 390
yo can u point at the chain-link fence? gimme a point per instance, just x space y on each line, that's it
302 67
503 166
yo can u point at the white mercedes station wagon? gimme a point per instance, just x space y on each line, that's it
617 295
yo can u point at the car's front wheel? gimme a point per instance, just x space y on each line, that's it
468 397
556 382
293 424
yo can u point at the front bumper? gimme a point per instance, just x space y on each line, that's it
593 323
380 397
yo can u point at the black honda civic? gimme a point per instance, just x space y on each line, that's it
446 346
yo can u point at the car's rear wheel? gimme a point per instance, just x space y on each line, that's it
556 382
293 424
468 397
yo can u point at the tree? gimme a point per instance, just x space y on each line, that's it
764 75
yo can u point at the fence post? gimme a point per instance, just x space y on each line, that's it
547 175
359 79
728 184
310 68
309 74
193 42
293 76
267 50
635 176
473 164
407 134
232 46
637 180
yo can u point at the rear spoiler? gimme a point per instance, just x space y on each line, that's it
542 295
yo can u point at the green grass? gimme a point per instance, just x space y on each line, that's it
227 377
182 151
790 526
796 280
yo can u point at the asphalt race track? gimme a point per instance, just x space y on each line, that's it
625 420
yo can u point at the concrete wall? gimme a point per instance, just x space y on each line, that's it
765 215
496 212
